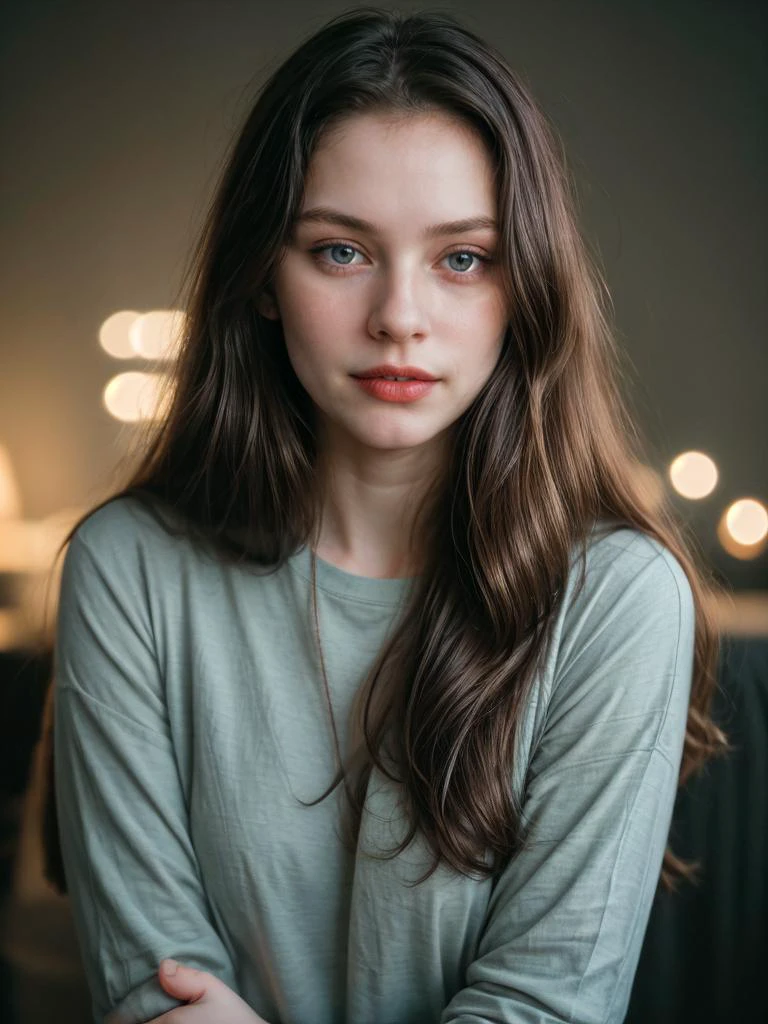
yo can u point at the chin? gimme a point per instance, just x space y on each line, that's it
395 440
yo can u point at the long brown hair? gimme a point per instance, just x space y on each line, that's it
549 436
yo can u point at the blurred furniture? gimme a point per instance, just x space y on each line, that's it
706 948
41 976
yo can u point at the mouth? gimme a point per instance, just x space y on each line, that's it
385 389
372 376
395 373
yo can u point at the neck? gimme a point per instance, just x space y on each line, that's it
369 502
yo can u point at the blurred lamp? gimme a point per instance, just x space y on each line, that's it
10 499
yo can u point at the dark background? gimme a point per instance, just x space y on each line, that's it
115 118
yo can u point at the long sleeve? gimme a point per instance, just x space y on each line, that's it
130 866
567 916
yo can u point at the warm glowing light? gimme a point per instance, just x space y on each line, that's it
157 334
134 396
10 499
693 474
114 334
747 521
743 528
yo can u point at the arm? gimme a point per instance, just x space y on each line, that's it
567 917
131 870
206 999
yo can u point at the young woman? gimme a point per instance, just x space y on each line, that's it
372 695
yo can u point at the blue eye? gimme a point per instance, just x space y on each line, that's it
337 266
344 248
337 246
465 253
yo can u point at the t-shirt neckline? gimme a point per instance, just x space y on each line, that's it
339 582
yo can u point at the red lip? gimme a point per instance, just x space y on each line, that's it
388 370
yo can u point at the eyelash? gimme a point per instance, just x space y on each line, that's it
336 268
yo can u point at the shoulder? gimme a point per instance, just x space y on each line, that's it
127 534
127 550
124 523
630 613
627 566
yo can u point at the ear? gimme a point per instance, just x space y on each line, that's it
266 304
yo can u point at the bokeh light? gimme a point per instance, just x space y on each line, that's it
747 521
134 396
114 334
693 475
743 528
157 334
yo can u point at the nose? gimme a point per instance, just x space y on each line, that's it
398 311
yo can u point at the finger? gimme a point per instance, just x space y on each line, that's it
185 983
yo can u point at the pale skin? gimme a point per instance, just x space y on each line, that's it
205 999
389 293
401 297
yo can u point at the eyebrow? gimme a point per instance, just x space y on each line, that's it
452 227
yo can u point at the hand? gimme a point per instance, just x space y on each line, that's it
209 1001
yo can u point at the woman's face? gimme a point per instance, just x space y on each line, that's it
384 286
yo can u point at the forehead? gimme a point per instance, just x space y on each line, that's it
424 166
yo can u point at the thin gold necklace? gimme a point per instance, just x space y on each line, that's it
313 562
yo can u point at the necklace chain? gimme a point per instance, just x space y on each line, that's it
313 562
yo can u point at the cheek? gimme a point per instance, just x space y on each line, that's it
314 341
479 313
315 322
478 333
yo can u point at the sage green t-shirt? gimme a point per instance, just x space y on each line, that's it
191 719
